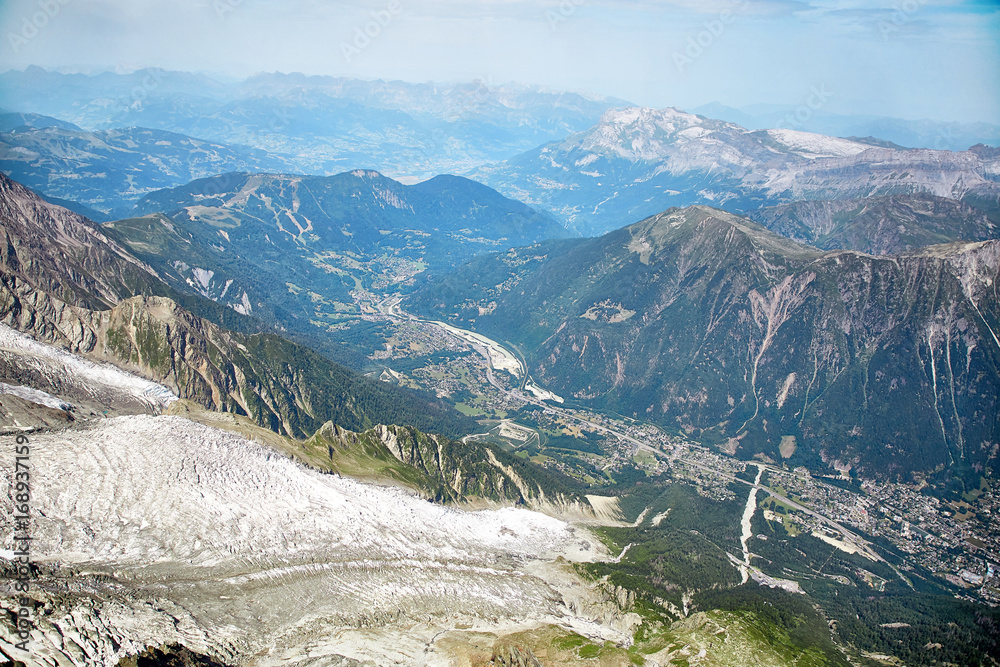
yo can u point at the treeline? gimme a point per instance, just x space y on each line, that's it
786 618
926 629
338 394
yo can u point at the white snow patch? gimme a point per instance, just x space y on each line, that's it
226 497
98 376
261 553
811 145
203 276
34 396
696 132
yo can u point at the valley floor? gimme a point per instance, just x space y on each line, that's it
960 553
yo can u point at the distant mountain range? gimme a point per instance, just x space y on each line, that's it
110 170
320 125
710 325
291 250
636 162
65 281
878 225
936 135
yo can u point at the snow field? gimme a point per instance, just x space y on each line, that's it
63 369
253 550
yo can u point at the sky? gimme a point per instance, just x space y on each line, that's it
914 59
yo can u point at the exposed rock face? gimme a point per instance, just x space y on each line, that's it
65 254
449 470
65 282
889 363
511 655
635 162
879 225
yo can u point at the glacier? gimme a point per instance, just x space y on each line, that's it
155 529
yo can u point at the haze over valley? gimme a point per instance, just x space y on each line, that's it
500 333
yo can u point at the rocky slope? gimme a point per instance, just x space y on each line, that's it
636 162
705 322
446 470
64 254
293 249
65 282
878 225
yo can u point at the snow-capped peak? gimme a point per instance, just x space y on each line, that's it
639 133
811 145
669 116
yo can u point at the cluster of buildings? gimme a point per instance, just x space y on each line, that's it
956 541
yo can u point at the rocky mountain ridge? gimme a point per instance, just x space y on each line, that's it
709 324
638 161
66 282
878 225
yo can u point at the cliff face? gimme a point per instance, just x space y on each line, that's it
709 324
879 225
63 281
446 469
65 254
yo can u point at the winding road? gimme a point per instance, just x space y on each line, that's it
391 308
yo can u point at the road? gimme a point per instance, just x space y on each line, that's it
391 308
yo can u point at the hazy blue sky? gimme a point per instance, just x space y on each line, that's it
935 59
